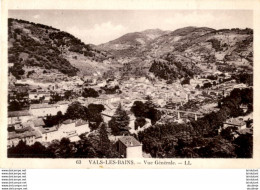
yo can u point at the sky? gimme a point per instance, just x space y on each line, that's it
101 26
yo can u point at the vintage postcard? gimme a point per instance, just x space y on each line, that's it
148 84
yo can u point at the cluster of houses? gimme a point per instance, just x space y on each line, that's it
18 92
29 126
22 125
238 126
135 89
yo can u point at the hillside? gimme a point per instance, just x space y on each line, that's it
32 46
34 49
130 45
184 52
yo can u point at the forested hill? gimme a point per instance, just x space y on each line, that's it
204 51
184 52
37 45
168 55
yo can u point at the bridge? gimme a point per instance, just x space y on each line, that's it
169 111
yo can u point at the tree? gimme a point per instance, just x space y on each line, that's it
139 122
85 148
17 70
138 108
207 85
119 122
244 148
64 148
146 110
14 106
37 150
55 97
227 133
148 98
76 111
104 142
18 102
90 92
199 138
68 94
54 120
185 81
151 112
94 115
96 108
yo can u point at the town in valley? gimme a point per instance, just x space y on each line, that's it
186 93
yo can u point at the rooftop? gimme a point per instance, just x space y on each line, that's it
235 121
39 106
63 102
23 134
18 113
68 121
44 130
24 129
81 122
38 122
129 141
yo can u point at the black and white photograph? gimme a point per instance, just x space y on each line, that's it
127 84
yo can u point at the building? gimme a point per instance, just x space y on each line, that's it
101 84
27 135
15 117
42 110
82 127
71 128
35 131
160 101
12 140
67 127
63 106
132 123
48 134
18 93
109 111
240 86
36 122
129 147
244 107
235 122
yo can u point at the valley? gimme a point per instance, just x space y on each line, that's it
194 85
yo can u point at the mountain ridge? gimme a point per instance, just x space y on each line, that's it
168 55
199 49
